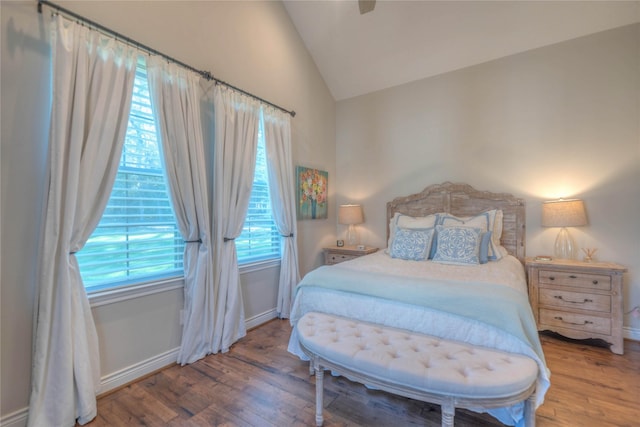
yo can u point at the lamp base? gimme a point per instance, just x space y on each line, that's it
565 247
352 235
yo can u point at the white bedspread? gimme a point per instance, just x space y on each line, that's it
508 272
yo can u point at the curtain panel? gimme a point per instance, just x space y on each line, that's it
236 143
277 129
175 97
93 79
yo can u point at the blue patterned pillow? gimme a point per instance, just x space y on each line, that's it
489 221
412 244
458 245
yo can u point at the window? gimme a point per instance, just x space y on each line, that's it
137 238
260 239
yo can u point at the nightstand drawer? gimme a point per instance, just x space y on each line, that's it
583 301
580 280
338 254
577 299
336 258
579 322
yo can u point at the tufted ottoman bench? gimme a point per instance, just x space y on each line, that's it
449 373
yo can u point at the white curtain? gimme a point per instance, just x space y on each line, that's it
277 133
175 97
236 140
92 84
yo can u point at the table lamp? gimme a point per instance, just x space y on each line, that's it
564 213
351 215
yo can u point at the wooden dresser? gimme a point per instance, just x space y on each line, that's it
336 254
578 300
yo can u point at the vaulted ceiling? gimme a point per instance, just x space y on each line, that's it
402 41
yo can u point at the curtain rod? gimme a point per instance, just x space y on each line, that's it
205 74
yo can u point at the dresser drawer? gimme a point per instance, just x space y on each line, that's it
336 258
579 322
580 280
583 301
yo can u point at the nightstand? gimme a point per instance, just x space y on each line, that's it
335 254
578 300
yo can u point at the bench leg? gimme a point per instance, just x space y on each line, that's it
319 394
448 413
530 411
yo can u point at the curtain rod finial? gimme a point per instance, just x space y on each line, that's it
293 113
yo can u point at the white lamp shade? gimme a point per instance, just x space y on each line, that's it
563 213
350 214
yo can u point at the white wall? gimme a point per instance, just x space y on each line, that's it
562 120
252 45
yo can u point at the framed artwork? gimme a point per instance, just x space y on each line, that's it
311 193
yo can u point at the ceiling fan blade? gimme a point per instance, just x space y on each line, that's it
366 6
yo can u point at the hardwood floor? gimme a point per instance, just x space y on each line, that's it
258 383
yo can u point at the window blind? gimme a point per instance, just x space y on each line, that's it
137 238
260 239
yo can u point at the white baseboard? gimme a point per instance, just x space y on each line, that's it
132 373
261 318
107 383
15 419
140 369
631 333
137 370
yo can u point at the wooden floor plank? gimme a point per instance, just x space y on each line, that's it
258 383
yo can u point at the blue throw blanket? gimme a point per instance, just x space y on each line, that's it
497 305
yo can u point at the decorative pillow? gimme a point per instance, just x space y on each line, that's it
484 247
497 227
405 221
458 245
412 222
488 221
434 244
412 244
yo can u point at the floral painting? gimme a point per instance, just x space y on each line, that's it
311 193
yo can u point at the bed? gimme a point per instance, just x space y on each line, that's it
427 281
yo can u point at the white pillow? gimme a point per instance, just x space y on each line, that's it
409 222
497 228
487 221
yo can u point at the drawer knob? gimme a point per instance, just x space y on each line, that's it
586 300
595 282
586 322
573 277
552 278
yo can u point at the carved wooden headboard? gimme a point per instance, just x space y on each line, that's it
463 200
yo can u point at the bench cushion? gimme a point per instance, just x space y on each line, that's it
415 360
